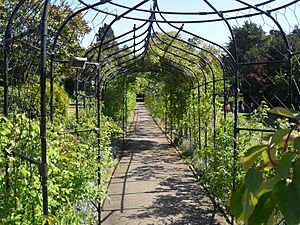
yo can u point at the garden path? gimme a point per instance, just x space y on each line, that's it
152 185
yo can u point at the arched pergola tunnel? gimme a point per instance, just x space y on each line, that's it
187 73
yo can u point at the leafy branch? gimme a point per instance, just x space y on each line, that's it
276 186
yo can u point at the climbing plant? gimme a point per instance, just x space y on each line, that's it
272 182
72 185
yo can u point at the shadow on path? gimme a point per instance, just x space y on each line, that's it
152 185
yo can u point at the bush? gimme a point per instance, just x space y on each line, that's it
72 166
27 100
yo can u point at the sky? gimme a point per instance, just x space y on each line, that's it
216 31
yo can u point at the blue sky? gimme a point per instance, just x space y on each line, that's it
216 31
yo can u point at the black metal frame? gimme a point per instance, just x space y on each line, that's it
143 41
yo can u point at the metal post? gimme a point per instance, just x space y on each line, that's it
205 123
51 88
99 87
199 117
123 111
235 83
43 128
84 97
194 119
5 105
171 117
126 104
290 74
76 98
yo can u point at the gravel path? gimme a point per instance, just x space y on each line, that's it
152 185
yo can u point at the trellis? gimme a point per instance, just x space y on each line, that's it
27 32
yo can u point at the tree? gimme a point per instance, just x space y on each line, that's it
251 41
263 81
109 35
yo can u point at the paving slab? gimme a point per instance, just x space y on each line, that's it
152 185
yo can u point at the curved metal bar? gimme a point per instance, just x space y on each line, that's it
202 21
212 54
213 76
183 50
201 38
268 14
114 39
132 59
69 18
112 22
198 90
235 83
289 63
123 50
193 13
195 46
54 45
7 36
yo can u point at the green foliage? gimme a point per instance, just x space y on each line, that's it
272 177
253 44
116 99
72 161
28 100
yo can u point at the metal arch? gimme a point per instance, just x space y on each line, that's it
198 90
268 14
220 14
146 39
191 61
124 62
54 45
69 18
200 67
116 71
206 13
201 38
127 65
112 22
116 38
235 84
207 51
7 36
191 13
183 50
42 164
289 63
195 46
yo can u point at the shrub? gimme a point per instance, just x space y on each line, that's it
27 100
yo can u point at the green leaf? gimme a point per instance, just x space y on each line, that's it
284 166
280 136
252 154
288 201
249 201
267 166
263 210
51 220
236 205
284 112
296 177
253 179
297 143
266 186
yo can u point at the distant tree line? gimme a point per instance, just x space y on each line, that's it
262 80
